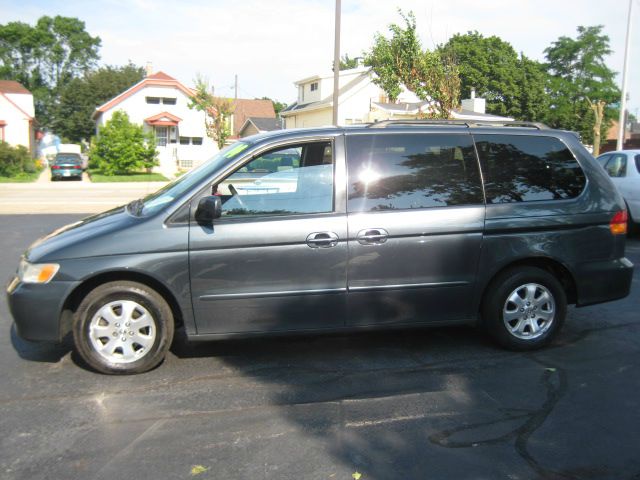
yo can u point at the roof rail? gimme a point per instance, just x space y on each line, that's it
462 123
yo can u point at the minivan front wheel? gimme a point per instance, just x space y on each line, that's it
524 308
123 328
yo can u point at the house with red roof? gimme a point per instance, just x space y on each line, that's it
160 103
17 115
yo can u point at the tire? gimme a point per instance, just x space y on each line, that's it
123 328
524 308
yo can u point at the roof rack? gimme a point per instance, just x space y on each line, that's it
461 123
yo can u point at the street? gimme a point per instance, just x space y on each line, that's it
439 403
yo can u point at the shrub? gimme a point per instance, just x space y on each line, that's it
122 147
15 160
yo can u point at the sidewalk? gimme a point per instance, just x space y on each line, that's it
44 196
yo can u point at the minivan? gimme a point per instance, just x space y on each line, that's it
395 224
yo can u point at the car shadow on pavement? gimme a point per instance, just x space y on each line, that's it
40 352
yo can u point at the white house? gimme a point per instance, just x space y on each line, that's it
160 103
17 115
362 101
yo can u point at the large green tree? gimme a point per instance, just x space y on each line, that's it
581 78
122 147
512 84
80 97
46 56
401 61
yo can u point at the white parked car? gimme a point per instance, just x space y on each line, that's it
623 167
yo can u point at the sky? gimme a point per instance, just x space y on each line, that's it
270 44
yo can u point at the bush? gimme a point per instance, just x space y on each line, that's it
122 147
15 160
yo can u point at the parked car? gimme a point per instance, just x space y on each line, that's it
623 167
416 224
66 165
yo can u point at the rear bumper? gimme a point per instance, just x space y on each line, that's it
36 309
599 282
63 173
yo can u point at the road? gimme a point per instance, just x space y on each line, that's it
427 404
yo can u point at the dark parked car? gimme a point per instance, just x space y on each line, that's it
390 225
66 165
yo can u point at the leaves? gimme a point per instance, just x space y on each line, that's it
198 469
217 111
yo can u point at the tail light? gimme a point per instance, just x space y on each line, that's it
618 224
77 167
55 167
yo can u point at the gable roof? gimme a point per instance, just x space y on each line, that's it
157 79
262 124
163 119
245 108
11 86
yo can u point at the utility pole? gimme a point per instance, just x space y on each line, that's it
235 86
336 64
625 71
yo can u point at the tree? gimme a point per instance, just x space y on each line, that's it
401 61
80 97
513 85
123 147
347 63
217 111
580 77
45 57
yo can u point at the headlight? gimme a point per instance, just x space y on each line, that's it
37 272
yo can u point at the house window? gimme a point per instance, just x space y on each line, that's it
314 86
185 140
186 163
169 101
162 136
173 134
196 140
153 100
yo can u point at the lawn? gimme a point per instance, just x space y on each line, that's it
21 178
99 177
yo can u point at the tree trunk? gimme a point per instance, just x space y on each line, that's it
598 113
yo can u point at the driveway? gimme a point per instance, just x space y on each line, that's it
428 404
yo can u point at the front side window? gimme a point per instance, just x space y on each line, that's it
617 166
408 171
296 179
527 168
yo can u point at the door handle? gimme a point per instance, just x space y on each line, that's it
372 236
322 239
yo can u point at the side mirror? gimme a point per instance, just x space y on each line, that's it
209 208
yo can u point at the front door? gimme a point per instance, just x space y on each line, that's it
276 259
416 216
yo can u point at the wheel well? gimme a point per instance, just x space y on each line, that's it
554 267
73 300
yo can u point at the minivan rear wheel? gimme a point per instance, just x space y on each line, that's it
524 308
123 328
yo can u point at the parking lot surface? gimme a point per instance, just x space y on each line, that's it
429 404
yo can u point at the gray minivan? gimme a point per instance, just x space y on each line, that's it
388 225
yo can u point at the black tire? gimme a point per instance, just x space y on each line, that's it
513 282
124 358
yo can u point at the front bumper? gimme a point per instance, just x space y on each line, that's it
37 309
599 282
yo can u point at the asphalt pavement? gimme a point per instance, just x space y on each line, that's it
440 403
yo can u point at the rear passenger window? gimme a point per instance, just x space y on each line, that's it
528 168
407 171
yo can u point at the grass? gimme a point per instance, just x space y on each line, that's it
98 177
21 178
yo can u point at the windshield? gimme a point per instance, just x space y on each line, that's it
181 185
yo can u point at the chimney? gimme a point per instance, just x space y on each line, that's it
149 69
474 104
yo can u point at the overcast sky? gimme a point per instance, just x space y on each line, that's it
271 43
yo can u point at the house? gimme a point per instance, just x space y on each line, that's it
362 101
17 115
160 103
244 108
254 125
